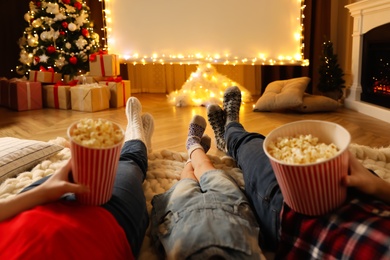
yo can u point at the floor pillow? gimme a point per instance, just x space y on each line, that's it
282 94
18 155
316 103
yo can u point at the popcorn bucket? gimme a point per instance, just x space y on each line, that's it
94 167
314 188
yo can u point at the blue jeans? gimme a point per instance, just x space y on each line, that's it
203 220
128 203
261 186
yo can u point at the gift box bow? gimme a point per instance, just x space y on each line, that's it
92 57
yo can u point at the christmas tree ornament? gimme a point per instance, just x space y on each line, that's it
85 32
52 8
66 2
43 58
32 41
60 62
51 49
72 27
27 17
44 36
81 42
83 57
78 5
73 60
64 25
36 60
36 23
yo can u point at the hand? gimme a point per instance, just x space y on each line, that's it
51 190
59 184
363 180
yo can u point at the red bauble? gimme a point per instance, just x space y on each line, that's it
38 4
36 59
66 2
78 5
62 33
85 32
73 60
51 49
64 24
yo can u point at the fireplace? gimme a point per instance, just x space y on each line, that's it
376 66
370 89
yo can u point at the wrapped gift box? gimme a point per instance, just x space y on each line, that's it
120 91
56 96
83 79
45 76
25 95
104 65
90 97
4 92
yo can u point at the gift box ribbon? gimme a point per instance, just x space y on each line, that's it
92 57
28 95
43 69
55 90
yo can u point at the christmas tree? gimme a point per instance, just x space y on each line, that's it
59 36
331 75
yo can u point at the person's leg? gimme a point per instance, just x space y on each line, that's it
196 153
261 185
128 203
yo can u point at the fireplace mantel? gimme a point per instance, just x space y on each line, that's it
367 14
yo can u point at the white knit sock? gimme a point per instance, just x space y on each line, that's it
134 129
148 125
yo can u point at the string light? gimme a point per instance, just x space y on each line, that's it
155 58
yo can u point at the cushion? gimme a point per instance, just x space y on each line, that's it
315 103
18 155
282 94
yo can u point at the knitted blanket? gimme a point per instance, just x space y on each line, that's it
164 170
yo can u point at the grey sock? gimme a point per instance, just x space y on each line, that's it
231 104
195 133
216 117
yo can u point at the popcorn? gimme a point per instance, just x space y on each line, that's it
301 149
96 133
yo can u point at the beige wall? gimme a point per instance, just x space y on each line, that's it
158 78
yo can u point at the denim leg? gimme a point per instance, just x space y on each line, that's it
128 203
261 185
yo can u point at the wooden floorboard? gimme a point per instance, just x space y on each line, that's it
171 122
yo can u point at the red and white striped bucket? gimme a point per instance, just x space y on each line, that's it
313 189
95 168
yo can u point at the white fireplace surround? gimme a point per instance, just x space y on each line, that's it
367 15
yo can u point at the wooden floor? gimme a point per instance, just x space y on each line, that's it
171 122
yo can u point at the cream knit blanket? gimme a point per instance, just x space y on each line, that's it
165 168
